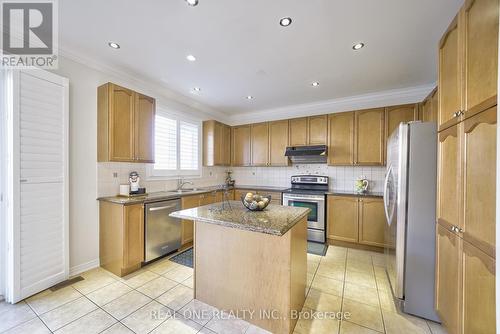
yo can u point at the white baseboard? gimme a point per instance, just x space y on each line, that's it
83 267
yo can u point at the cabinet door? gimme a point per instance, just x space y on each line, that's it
478 291
226 143
479 138
369 137
241 145
188 202
448 260
278 141
317 130
341 139
145 109
298 131
428 108
371 221
133 236
342 218
397 114
448 176
260 144
481 54
435 107
121 123
450 99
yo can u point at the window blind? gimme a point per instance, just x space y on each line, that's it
165 142
188 146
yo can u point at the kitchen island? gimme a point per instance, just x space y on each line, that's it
252 264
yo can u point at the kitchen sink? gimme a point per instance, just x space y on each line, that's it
183 191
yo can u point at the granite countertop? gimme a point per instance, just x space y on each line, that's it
265 188
155 196
275 219
353 193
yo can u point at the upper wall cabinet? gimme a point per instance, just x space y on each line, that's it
278 141
298 131
216 144
260 144
308 130
397 114
241 143
125 125
428 109
341 139
369 137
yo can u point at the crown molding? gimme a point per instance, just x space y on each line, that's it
160 90
372 100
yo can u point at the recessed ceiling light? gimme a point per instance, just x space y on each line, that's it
315 84
358 46
286 21
191 58
192 2
249 97
197 89
114 45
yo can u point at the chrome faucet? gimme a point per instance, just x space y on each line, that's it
181 183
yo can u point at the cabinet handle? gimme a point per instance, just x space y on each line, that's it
460 230
453 228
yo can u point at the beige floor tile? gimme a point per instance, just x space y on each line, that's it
35 326
256 330
313 258
157 287
359 257
48 300
118 328
309 279
350 328
387 301
15 315
162 266
359 266
323 302
361 294
147 318
176 298
336 251
198 312
227 325
177 325
109 293
94 322
67 313
93 280
379 260
333 261
335 272
396 323
139 278
126 304
363 315
311 325
312 267
359 278
179 274
328 285
205 330
189 282
436 328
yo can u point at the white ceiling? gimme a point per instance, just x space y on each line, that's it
242 50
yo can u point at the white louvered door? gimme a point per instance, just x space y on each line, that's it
40 252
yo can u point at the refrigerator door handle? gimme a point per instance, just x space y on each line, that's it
386 183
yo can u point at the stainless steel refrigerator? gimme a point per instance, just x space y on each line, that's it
410 207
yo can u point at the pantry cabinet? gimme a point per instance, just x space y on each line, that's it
216 144
241 143
260 144
125 125
341 139
278 141
369 138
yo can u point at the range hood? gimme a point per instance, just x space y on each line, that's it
316 154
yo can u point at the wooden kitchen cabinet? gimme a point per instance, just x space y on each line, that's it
429 108
298 131
216 144
125 125
188 202
371 217
260 144
342 218
278 142
450 76
241 143
341 139
317 130
369 139
397 114
121 237
448 274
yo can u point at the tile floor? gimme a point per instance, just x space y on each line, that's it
159 298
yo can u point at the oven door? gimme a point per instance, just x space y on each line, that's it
316 217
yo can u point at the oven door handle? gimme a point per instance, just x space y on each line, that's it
304 199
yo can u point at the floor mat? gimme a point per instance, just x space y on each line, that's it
316 248
185 258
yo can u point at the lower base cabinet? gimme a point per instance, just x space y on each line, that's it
355 219
121 237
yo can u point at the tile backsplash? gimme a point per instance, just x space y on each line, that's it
111 174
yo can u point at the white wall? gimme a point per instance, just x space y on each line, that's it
83 83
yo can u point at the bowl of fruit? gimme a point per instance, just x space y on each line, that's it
255 202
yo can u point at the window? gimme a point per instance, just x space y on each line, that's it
177 146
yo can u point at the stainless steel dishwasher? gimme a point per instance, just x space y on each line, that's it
163 233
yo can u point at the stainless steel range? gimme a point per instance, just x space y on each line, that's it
309 191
